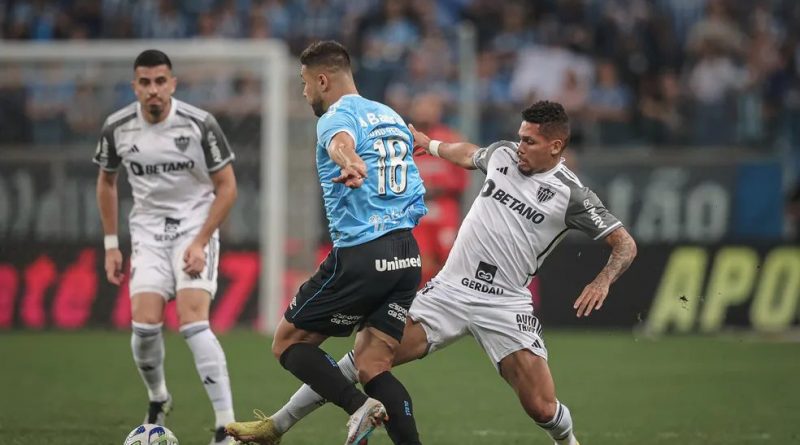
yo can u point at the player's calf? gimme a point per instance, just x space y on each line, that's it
318 370
401 426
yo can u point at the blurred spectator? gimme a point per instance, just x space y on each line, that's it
444 183
84 116
718 29
422 76
660 108
712 81
14 124
499 113
241 116
515 33
609 108
574 96
541 70
270 18
49 95
386 37
227 21
313 20
161 20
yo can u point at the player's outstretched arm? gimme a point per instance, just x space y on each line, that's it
459 153
623 251
107 203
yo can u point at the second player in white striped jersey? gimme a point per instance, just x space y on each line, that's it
169 166
178 164
516 221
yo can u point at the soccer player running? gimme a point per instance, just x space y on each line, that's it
373 197
179 168
528 202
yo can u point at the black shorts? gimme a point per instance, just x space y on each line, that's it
371 284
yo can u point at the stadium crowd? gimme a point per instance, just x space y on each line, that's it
661 72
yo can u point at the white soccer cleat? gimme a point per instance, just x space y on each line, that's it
363 422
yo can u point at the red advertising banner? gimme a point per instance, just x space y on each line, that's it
669 288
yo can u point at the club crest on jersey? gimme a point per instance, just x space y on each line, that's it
485 272
171 225
544 194
182 142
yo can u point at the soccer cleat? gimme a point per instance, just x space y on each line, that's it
157 411
261 431
363 422
221 438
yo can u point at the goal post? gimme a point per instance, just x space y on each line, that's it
270 58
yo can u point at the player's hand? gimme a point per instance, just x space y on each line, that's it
592 298
194 260
352 175
421 141
114 273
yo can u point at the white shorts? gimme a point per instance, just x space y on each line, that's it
501 325
160 269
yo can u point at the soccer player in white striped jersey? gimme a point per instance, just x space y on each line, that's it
528 202
179 168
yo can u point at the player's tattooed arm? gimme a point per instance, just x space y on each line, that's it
623 251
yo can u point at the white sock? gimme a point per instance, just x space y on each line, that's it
209 358
305 400
147 344
560 427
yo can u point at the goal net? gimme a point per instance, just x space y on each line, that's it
55 99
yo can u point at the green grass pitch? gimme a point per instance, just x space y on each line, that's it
82 388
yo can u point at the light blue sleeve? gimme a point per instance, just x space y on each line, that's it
335 121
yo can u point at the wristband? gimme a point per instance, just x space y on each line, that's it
111 242
433 147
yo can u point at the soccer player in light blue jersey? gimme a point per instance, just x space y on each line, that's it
373 198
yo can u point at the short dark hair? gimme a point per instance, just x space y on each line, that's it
551 117
328 53
152 57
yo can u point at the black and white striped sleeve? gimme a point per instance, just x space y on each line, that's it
587 213
216 149
481 157
105 154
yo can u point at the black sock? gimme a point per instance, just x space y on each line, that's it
401 426
319 371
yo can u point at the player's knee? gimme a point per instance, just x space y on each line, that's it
369 371
541 409
147 318
278 347
191 315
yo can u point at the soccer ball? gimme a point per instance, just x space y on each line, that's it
149 434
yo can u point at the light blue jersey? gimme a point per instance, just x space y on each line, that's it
391 196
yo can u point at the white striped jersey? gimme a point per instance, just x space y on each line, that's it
515 223
169 166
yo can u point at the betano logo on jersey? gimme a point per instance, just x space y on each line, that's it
511 202
164 167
